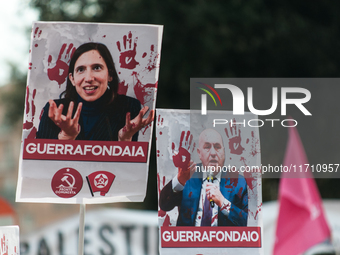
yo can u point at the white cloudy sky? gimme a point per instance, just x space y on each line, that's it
15 18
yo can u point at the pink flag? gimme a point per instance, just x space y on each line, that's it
301 222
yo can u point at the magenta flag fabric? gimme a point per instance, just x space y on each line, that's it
301 222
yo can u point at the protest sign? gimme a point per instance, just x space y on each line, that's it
90 96
9 240
209 184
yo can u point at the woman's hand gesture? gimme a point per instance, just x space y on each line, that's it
133 126
69 126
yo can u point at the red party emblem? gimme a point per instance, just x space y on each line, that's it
100 181
67 182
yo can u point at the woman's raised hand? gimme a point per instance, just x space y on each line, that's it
133 126
69 126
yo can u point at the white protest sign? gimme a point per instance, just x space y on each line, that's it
209 184
91 91
9 240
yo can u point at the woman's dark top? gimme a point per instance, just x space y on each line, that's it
98 121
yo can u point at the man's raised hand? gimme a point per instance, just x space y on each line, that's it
182 158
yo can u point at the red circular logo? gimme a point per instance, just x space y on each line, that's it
67 182
101 180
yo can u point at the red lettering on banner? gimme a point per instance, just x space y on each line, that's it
189 237
102 151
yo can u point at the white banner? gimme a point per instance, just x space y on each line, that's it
90 97
107 231
198 163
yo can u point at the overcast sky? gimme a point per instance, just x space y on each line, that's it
15 19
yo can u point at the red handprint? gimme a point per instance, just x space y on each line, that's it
255 144
234 136
127 57
122 88
144 92
160 123
59 72
4 246
37 33
182 158
152 62
30 113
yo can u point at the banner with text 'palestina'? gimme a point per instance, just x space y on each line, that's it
209 184
89 110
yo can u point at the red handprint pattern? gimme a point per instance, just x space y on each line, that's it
37 33
30 107
255 144
128 53
59 72
122 88
4 246
152 61
144 92
160 123
234 135
182 158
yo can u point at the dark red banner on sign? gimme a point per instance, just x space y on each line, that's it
103 151
190 237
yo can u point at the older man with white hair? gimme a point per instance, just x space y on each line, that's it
203 198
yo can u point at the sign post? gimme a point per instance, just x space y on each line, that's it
82 209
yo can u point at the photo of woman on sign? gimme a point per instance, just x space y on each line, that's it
90 108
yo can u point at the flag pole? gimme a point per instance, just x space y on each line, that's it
81 229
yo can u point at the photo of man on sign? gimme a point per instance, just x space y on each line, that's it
206 198
207 201
91 108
